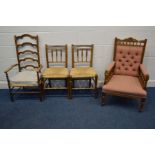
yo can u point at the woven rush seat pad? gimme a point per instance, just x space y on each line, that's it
56 72
83 72
24 78
128 85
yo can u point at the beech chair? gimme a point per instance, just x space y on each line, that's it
82 67
57 63
27 79
127 76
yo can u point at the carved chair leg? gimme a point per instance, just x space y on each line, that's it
96 91
141 105
103 97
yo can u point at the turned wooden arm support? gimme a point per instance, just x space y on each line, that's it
38 70
143 75
10 68
109 72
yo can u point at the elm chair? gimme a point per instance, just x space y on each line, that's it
57 63
127 76
82 68
27 79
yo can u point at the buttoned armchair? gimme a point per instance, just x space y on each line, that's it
126 76
27 72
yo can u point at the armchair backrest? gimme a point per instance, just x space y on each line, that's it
27 50
56 55
82 55
128 55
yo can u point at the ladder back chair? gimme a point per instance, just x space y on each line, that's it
29 67
82 67
57 63
127 76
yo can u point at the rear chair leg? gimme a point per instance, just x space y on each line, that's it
89 83
103 99
11 95
96 92
41 95
49 81
141 106
70 88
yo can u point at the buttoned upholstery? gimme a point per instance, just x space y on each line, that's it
128 59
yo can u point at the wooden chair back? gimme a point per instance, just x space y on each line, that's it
82 55
27 50
56 55
131 42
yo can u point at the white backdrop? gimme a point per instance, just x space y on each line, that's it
102 37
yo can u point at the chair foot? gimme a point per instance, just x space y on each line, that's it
141 105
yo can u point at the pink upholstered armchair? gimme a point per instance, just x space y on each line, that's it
127 76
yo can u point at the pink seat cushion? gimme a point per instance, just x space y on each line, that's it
128 59
128 85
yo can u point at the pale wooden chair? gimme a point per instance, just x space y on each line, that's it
127 76
82 67
29 67
57 63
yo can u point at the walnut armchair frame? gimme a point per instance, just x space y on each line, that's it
57 63
22 65
142 76
82 56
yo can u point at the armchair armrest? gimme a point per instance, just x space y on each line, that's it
109 72
143 75
10 68
7 75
